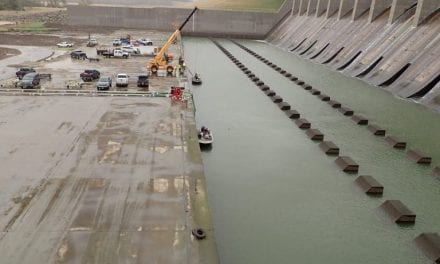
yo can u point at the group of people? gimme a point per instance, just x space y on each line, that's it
204 132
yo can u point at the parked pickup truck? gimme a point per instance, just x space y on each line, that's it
109 52
122 80
90 75
23 71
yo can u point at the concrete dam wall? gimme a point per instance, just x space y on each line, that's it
221 23
391 44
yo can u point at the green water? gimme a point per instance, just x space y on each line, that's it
275 197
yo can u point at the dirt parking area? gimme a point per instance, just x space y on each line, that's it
64 69
7 52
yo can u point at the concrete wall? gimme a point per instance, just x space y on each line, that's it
360 6
424 9
321 7
377 8
366 45
207 22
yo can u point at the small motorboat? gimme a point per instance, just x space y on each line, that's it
196 80
205 136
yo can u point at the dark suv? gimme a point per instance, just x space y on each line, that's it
143 81
79 55
30 80
90 75
104 83
23 71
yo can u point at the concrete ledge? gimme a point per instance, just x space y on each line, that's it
324 97
395 142
376 130
360 120
284 106
418 156
398 212
329 148
270 93
302 123
369 185
292 114
347 164
315 134
315 92
346 111
334 104
277 99
429 243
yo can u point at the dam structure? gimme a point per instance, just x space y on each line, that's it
391 44
326 125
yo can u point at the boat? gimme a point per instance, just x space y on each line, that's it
196 80
205 136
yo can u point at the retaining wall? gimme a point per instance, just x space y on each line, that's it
215 23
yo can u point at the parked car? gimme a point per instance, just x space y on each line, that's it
124 41
65 44
30 80
122 80
78 54
23 71
90 75
104 83
145 42
117 42
143 81
92 42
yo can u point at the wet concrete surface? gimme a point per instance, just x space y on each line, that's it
101 180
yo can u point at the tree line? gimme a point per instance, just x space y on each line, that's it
20 4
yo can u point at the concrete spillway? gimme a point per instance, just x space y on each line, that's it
394 45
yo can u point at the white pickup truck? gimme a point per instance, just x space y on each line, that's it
122 80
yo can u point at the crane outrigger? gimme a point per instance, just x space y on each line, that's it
159 62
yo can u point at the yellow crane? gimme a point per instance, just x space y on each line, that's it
159 62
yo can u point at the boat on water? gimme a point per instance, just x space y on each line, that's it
205 136
196 80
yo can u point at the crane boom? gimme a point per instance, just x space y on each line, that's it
158 60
